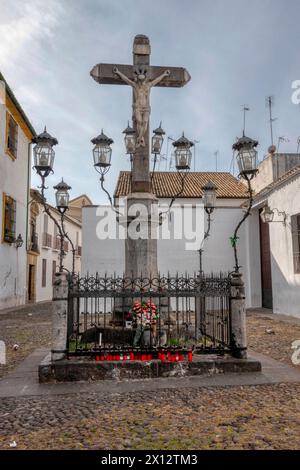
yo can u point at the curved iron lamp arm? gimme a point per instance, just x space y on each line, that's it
61 234
153 170
108 195
182 176
206 235
71 243
235 237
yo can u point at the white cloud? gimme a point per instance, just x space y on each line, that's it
31 21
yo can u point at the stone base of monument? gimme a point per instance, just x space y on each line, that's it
87 369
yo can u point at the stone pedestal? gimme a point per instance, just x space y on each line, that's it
141 242
59 317
238 317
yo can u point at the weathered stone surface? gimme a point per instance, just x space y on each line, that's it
89 369
59 316
238 317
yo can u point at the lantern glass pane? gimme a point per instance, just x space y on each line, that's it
43 156
130 143
157 141
62 198
102 155
247 160
209 198
267 215
183 158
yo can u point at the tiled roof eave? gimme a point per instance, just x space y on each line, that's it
166 185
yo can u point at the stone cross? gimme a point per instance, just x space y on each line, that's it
141 253
141 76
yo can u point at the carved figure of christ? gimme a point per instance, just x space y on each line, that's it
141 107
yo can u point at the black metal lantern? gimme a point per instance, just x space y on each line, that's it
102 152
183 154
209 196
267 215
157 140
62 196
246 156
19 241
130 140
43 153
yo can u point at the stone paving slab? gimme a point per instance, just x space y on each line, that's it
23 381
268 313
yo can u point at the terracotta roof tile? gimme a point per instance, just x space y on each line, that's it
166 184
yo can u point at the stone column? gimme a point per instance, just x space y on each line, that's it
238 317
141 253
141 242
59 317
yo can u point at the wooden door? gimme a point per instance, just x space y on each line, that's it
31 283
265 259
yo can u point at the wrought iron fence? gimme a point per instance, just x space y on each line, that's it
124 317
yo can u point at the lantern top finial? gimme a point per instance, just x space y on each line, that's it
129 130
45 137
210 186
102 139
183 142
159 130
244 142
62 186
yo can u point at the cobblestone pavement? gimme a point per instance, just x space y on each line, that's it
239 417
272 337
256 417
29 328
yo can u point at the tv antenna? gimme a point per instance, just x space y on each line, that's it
216 154
171 166
245 109
281 139
270 104
195 144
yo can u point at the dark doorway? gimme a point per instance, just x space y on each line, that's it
31 283
265 259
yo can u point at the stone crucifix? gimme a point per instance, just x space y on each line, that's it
141 77
141 104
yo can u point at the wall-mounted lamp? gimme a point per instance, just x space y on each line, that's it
19 241
267 215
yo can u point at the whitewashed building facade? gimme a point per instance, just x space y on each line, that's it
16 134
175 255
44 248
278 187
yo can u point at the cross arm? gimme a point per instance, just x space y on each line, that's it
103 74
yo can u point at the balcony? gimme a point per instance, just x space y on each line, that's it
34 243
78 251
47 240
56 244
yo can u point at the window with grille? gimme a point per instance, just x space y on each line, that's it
44 272
295 222
53 271
12 136
9 219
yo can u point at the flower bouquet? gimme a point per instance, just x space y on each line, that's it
144 313
144 316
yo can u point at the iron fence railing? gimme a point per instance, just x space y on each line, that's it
124 316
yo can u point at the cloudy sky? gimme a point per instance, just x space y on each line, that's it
236 51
